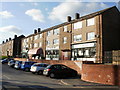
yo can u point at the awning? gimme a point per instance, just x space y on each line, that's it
36 51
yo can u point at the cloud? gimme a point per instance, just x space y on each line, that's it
9 31
35 4
35 14
64 9
6 14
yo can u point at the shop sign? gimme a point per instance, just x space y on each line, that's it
83 45
53 48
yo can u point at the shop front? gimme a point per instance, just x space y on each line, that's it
36 53
52 54
84 51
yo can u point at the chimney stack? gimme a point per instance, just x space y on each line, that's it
35 31
15 36
6 40
39 30
77 16
3 42
9 39
69 18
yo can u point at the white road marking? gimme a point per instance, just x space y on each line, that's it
6 76
64 82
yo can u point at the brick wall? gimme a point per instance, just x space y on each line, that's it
99 73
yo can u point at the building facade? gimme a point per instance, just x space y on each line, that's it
85 38
12 47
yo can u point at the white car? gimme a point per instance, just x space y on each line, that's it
38 68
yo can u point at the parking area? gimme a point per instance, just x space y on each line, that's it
14 78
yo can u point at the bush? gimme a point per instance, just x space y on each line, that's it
3 57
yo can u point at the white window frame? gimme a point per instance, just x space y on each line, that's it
55 41
65 28
47 43
40 44
90 21
41 35
90 35
77 25
65 40
36 37
56 31
77 38
35 45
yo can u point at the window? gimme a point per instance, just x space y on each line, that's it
78 25
40 35
36 37
30 45
48 33
56 31
65 40
35 45
90 35
56 41
77 37
48 43
65 29
40 44
27 39
90 22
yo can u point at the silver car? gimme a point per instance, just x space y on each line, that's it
38 68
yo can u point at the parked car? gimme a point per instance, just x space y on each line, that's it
18 64
3 61
11 63
26 65
59 70
38 68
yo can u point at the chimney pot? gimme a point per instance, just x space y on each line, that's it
15 36
35 31
3 42
77 16
6 40
69 18
9 39
39 30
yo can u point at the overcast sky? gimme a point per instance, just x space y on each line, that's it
23 17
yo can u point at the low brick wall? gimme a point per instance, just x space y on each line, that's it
99 73
68 63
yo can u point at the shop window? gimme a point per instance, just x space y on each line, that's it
78 25
90 35
90 21
65 29
77 38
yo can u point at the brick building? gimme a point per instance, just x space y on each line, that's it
85 38
12 47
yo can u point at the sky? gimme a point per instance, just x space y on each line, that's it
17 18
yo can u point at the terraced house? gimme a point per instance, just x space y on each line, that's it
12 47
85 38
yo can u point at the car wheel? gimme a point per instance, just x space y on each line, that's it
26 69
40 72
52 75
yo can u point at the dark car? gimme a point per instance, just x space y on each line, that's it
3 61
26 65
59 70
18 64
11 63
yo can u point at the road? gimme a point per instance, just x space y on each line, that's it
12 78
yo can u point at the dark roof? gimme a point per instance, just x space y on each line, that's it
75 20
